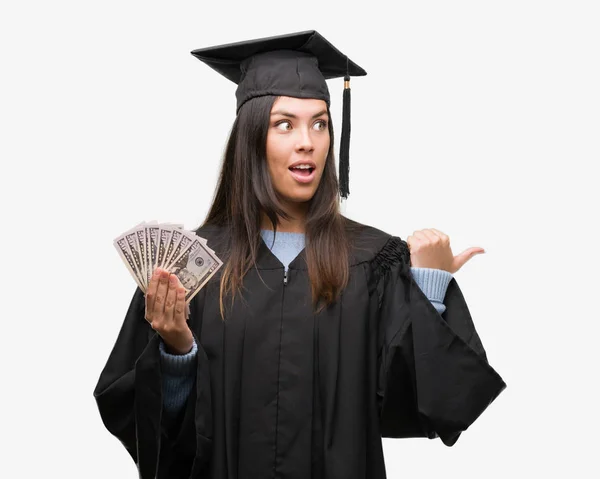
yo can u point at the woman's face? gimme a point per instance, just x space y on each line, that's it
298 135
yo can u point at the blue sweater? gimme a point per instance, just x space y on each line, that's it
178 370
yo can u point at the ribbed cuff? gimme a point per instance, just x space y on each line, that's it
177 364
433 282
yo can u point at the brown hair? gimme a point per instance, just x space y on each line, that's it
244 190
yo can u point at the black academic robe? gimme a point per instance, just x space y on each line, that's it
281 392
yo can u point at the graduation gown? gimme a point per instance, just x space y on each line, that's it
282 392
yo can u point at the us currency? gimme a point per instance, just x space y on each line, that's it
147 253
153 232
185 242
132 242
194 267
126 256
164 237
150 245
140 233
173 242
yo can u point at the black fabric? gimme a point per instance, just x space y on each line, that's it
282 392
295 64
344 169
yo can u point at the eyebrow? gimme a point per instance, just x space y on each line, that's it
291 115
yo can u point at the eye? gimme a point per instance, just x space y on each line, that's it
284 122
323 124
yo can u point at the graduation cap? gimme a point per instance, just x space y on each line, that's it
294 65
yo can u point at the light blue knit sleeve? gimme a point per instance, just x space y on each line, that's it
177 377
434 283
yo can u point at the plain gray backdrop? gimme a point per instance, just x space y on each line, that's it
478 118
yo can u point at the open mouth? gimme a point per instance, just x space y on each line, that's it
303 175
302 171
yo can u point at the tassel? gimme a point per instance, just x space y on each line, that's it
344 165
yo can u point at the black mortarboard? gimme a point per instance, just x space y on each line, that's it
295 65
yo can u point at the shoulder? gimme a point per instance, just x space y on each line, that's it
367 243
375 246
216 236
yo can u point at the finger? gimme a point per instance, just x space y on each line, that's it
154 279
187 309
465 256
171 299
441 235
412 243
469 253
151 293
180 306
432 238
161 293
421 237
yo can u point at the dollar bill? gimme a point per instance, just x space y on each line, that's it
194 267
127 257
140 233
176 236
185 242
153 232
149 245
164 236
134 247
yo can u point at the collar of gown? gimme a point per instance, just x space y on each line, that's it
287 247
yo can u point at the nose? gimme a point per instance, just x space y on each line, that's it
304 140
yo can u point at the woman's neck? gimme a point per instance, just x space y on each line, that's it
296 224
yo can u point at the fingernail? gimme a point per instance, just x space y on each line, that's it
173 280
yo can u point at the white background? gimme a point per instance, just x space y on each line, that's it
477 118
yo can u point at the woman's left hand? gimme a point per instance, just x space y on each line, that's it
430 248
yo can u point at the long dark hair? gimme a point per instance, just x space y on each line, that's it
245 190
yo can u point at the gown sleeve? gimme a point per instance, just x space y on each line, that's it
434 376
129 398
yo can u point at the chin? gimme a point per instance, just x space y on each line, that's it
294 192
299 196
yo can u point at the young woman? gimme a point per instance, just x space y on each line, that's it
319 335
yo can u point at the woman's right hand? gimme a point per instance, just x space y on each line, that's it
167 312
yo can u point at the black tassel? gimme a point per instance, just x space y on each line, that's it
344 164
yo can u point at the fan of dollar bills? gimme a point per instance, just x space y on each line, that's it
151 245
